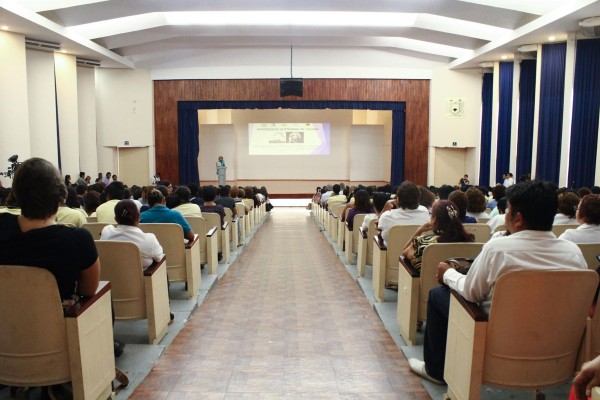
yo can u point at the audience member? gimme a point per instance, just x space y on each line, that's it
209 193
362 205
498 220
476 204
326 192
91 201
81 179
127 230
403 210
586 380
34 239
588 215
459 198
380 199
80 192
159 213
71 214
567 208
427 198
508 180
67 180
195 195
498 192
336 196
106 211
185 207
444 191
224 198
106 180
531 246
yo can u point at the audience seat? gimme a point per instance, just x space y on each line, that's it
385 258
214 219
183 260
481 231
208 236
40 345
92 219
241 214
545 310
95 228
351 237
365 247
561 228
136 293
233 228
414 286
590 251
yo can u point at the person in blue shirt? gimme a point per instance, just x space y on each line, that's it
159 213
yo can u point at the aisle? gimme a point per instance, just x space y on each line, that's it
286 321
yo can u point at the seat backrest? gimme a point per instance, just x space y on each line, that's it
214 219
198 225
122 265
241 209
500 228
432 256
33 334
535 327
228 215
398 236
370 235
95 228
170 237
356 223
481 231
590 251
559 229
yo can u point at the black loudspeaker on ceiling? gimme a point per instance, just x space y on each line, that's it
291 86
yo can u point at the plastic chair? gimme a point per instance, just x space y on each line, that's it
183 260
414 286
549 308
136 293
40 345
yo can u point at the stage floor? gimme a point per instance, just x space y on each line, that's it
290 202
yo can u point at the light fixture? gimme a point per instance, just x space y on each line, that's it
551 38
4 27
504 57
486 64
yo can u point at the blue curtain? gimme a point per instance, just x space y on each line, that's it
189 147
526 114
487 88
504 119
552 87
586 106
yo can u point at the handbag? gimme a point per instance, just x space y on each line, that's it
461 264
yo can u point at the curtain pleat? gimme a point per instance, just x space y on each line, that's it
526 117
504 120
487 88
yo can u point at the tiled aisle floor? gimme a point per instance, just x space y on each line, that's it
286 321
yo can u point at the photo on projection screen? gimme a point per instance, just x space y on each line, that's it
288 139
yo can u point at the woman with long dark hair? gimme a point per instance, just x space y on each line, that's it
446 226
362 205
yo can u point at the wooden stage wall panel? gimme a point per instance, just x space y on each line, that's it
415 93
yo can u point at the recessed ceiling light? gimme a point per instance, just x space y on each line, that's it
4 27
551 38
504 57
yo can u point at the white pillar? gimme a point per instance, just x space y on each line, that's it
567 111
68 123
86 96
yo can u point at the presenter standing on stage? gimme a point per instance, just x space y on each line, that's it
221 168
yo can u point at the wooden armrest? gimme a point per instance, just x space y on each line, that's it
471 308
405 262
379 242
211 231
347 226
152 268
225 225
234 219
363 232
86 302
191 244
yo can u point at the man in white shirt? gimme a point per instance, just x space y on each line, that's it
509 180
403 210
325 196
588 215
531 246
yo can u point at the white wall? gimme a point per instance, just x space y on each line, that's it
68 119
86 95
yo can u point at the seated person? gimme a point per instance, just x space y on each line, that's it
588 215
362 205
71 216
498 220
459 199
476 204
336 196
567 208
225 199
114 192
91 201
427 198
498 192
379 201
531 246
127 230
185 207
159 213
403 210
194 194
209 193
34 239
446 227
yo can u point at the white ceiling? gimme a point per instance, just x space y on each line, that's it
158 34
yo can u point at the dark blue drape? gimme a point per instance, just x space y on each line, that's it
586 106
504 119
526 114
487 88
552 88
189 147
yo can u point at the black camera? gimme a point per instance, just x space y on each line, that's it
13 166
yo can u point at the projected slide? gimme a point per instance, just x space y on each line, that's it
288 139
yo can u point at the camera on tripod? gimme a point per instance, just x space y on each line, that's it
13 166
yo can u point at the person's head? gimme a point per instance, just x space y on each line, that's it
157 175
459 199
336 188
583 191
82 174
114 178
248 192
567 204
466 177
263 191
589 210
209 193
242 192
426 198
184 194
127 213
531 205
91 201
156 198
81 189
501 205
362 201
379 200
71 200
38 188
498 192
224 190
475 200
318 189
446 223
193 189
408 195
67 180
115 191
163 189
99 176
108 174
234 192
220 158
444 191
136 192
88 179
595 189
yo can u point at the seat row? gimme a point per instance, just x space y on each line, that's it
77 345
